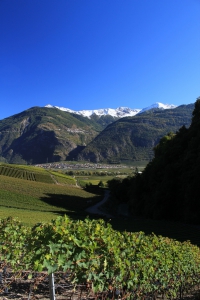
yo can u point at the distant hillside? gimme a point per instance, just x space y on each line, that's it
40 135
133 138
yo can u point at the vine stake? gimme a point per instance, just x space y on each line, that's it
52 287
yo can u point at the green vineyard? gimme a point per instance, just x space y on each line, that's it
28 173
61 178
117 265
16 173
24 174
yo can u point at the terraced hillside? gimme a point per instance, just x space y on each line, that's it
24 174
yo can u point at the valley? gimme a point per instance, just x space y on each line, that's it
49 204
99 150
52 205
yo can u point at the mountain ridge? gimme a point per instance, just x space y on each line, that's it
118 112
133 138
42 134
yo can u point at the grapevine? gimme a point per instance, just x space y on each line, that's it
90 251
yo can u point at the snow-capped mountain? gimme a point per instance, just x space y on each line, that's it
119 112
158 105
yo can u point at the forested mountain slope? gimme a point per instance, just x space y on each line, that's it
133 138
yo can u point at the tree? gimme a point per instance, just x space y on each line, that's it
101 184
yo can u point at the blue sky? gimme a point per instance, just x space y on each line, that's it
91 54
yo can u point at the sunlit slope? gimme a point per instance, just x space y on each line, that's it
35 174
40 135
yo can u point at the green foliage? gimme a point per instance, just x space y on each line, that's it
13 237
101 184
91 251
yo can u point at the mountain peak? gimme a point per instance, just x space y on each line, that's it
119 112
158 105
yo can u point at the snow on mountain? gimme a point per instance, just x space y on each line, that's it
158 105
119 112
61 108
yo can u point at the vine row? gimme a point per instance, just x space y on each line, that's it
90 251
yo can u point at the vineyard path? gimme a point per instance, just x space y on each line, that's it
95 209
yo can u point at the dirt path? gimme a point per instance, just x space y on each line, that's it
95 209
54 180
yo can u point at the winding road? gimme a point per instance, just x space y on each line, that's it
94 209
